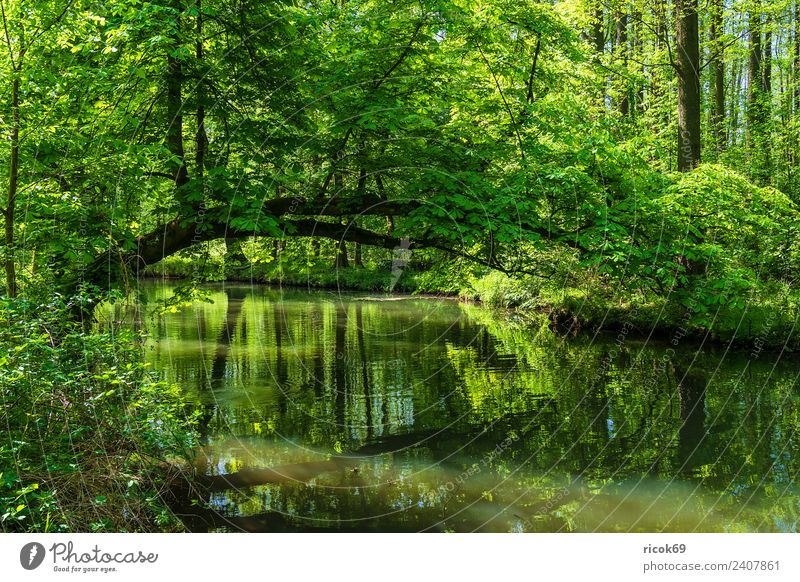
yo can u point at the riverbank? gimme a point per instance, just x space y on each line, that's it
763 319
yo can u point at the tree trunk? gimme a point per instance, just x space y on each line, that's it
598 31
174 135
718 70
796 80
753 74
688 49
657 84
734 130
13 175
797 58
357 255
532 75
201 138
341 261
599 41
758 143
637 48
382 196
766 60
362 188
621 44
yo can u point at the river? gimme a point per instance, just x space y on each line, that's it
358 412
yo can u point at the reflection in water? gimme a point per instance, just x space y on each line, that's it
692 394
324 412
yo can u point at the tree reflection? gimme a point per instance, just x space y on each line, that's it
413 399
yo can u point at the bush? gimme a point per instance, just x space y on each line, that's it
497 289
87 425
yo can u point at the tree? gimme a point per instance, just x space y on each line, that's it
717 31
796 79
28 37
621 48
13 164
758 101
688 70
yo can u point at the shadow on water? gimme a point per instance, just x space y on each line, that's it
331 412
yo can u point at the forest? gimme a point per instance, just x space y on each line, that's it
629 167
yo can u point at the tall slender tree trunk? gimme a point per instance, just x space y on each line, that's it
657 84
621 45
598 30
201 137
11 200
362 186
796 80
766 86
341 261
175 110
766 60
758 142
753 75
382 196
688 49
734 131
637 47
718 71
599 38
357 260
797 58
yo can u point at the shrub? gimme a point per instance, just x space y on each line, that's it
86 423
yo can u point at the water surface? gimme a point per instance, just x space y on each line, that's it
380 413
